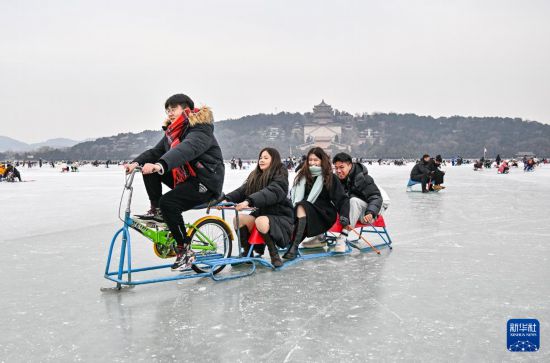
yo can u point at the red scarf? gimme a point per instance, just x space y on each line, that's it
173 132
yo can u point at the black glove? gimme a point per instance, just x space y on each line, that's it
215 201
344 221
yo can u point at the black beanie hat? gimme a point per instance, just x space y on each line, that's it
179 99
438 158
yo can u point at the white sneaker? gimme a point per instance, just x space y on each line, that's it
340 246
315 242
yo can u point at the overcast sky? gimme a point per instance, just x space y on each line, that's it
83 69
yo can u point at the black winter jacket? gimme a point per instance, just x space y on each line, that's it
198 146
360 185
321 214
421 168
271 200
433 166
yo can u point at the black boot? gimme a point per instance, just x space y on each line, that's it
259 250
292 252
244 235
272 248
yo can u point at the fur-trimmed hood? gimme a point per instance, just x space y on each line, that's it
197 116
204 115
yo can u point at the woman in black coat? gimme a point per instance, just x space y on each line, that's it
318 197
265 189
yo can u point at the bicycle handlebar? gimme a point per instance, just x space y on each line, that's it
225 204
130 177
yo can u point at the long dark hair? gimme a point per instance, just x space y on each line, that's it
326 168
259 179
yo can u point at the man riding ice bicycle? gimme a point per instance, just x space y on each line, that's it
187 159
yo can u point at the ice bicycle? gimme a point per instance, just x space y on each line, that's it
211 240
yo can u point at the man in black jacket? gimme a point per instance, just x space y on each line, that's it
364 196
189 160
421 172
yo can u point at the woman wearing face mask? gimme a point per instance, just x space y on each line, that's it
265 189
317 197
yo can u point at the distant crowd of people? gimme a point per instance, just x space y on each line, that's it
9 169
503 166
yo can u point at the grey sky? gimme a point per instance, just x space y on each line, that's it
87 69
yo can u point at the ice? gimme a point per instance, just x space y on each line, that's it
465 260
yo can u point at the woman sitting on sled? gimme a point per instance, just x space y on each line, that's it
317 196
265 189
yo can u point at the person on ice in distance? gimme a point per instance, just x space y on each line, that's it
437 174
317 197
265 189
12 169
421 172
189 161
529 165
504 168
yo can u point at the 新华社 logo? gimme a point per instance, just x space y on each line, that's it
523 335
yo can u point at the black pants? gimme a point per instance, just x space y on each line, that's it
181 198
422 178
438 177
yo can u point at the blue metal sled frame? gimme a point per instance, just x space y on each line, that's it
123 275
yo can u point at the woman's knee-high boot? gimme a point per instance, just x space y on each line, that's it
244 235
272 248
292 252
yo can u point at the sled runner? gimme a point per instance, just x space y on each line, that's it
416 186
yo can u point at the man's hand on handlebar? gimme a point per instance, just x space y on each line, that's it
130 167
150 168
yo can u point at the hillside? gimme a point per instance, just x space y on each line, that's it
9 144
397 135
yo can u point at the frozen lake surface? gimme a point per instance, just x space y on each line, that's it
464 262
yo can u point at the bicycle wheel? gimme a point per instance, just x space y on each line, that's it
210 237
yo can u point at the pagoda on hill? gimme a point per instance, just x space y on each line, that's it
323 131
